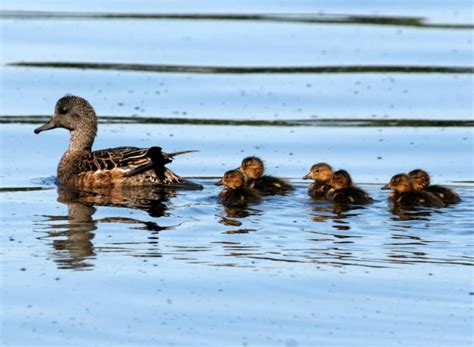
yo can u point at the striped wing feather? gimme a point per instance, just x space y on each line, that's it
131 160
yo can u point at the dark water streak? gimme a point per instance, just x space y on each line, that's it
339 19
196 69
316 122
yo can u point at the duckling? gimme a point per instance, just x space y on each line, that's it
343 191
321 173
420 180
122 166
253 168
236 193
405 196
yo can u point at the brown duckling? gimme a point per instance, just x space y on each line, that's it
321 173
405 196
420 180
343 191
122 166
254 169
236 193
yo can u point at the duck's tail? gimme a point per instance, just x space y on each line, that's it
174 154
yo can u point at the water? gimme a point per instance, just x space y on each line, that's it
375 88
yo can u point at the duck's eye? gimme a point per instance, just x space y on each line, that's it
63 110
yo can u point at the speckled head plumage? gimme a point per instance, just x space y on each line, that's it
400 183
420 179
341 180
76 115
233 179
320 172
252 167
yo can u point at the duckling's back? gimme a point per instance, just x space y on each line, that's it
448 196
238 197
351 195
416 198
270 185
319 191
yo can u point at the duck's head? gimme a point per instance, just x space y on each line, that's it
420 179
233 179
400 183
72 113
340 180
252 167
320 172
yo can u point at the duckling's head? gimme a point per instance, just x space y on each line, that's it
252 167
320 172
400 183
233 179
340 180
420 179
72 113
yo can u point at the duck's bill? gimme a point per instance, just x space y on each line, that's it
218 183
48 126
385 187
307 177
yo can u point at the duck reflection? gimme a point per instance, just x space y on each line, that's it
338 213
75 249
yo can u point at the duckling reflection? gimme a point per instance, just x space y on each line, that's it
402 213
340 214
77 249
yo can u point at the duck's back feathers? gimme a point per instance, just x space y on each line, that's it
415 198
238 197
446 195
127 166
351 195
270 185
130 160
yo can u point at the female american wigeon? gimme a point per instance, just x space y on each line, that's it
420 180
254 169
343 190
405 196
122 166
236 193
321 173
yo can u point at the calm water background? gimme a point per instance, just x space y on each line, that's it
377 88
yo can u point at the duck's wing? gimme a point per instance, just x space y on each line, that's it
131 160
